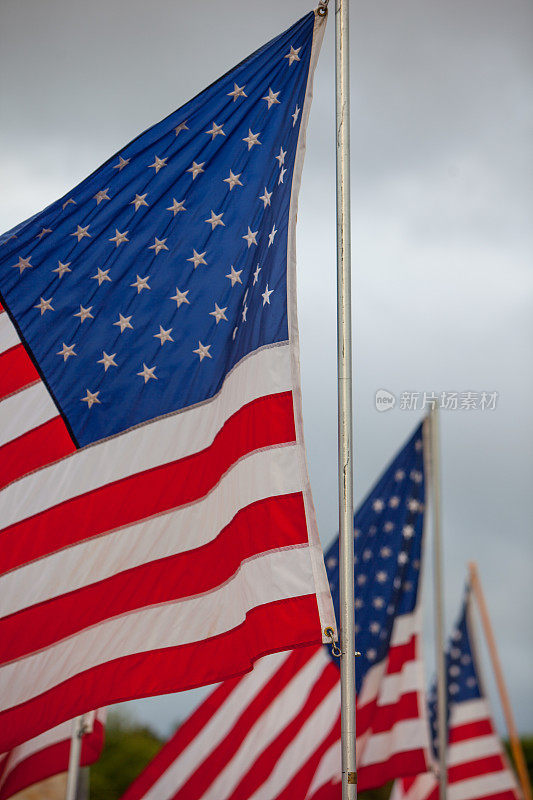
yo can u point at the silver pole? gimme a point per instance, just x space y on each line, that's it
442 694
344 372
78 729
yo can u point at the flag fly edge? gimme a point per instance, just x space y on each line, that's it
325 605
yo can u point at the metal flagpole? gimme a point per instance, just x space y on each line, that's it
78 729
516 747
442 694
344 373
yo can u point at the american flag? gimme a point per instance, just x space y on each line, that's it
275 733
48 754
477 766
158 530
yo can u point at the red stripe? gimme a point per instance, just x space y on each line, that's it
39 446
269 628
217 758
300 783
474 768
16 370
153 491
410 762
470 730
400 654
262 526
380 719
263 766
50 761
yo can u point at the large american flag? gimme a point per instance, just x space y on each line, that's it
275 733
158 530
477 765
48 754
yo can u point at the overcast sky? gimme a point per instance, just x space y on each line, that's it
442 196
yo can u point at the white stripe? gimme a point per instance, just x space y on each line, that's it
273 576
25 410
160 442
482 786
8 335
301 746
329 768
216 729
420 789
285 707
473 749
262 474
393 687
405 627
408 734
469 711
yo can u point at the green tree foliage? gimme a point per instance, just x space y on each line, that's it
527 747
127 750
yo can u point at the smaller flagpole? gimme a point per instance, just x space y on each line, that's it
442 692
516 747
73 776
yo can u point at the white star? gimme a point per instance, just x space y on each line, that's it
238 91
374 627
378 602
158 164
266 295
292 55
181 127
281 157
295 115
123 322
140 284
119 238
250 237
378 505
358 602
177 206
251 139
196 169
233 180
256 274
147 373
266 197
418 445
81 232
216 130
122 162
84 313
271 235
281 175
197 258
234 276
107 361
219 314
44 305
408 531
68 202
244 312
24 263
43 232
331 562
271 98
101 276
388 527
412 504
214 220
67 350
394 501
101 195
140 200
180 297
371 654
403 558
90 398
399 475
453 688
416 476
164 335
159 244
454 670
203 351
367 554
62 268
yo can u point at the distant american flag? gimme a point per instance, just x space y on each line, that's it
48 754
477 765
158 530
275 732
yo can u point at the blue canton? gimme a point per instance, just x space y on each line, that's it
387 554
463 681
140 289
